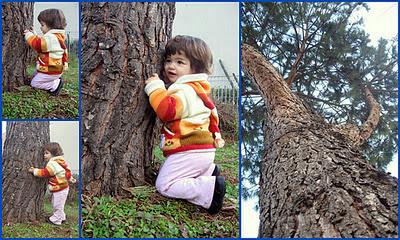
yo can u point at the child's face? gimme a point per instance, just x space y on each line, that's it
47 155
44 27
176 66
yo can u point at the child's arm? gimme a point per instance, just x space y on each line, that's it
35 41
167 107
44 172
219 142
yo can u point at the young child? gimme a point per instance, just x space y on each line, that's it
59 174
190 131
52 60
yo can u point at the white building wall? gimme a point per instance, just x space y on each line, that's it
218 25
67 135
70 10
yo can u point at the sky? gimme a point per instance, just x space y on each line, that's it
380 21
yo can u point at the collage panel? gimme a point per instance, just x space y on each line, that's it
40 60
319 120
159 120
143 120
40 179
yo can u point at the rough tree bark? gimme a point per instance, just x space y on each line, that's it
314 180
121 46
23 194
16 55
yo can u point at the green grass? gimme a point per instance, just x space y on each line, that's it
28 102
148 214
42 229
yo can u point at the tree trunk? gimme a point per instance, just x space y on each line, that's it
16 55
121 47
314 181
23 194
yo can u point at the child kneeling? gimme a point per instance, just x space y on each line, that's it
190 131
53 57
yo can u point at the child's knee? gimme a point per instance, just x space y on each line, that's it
34 83
161 187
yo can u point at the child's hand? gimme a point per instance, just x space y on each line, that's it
31 169
152 78
29 30
219 143
72 180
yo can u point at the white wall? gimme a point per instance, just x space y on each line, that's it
70 10
67 135
217 24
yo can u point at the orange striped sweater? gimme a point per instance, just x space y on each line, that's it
53 55
189 115
57 171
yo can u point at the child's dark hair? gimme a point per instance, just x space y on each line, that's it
53 18
195 49
54 148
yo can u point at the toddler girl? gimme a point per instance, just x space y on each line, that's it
53 57
59 174
190 131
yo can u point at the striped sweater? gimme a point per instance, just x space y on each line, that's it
57 171
189 115
53 55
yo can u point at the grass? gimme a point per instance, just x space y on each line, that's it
42 229
147 214
28 102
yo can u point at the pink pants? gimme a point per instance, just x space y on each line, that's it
58 200
187 175
45 81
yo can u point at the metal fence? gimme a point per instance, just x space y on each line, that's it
72 42
226 95
225 89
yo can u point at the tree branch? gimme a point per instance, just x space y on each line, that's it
285 112
273 88
369 126
299 57
359 135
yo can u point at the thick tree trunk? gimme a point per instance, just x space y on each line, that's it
122 45
314 181
16 55
23 194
